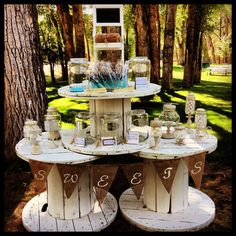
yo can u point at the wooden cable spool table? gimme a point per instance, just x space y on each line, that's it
184 208
81 212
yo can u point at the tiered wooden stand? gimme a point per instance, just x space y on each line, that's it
184 208
51 210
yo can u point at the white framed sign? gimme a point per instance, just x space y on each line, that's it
133 137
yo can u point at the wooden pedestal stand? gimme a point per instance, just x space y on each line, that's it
52 210
81 211
184 208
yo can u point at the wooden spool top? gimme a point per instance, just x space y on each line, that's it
150 90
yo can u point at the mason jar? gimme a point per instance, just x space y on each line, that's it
180 133
77 70
140 69
111 126
169 118
85 126
137 121
52 111
29 126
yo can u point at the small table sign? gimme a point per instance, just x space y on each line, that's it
133 137
108 141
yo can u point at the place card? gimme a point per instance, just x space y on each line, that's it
108 141
133 137
80 141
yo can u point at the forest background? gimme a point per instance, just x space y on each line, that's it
181 40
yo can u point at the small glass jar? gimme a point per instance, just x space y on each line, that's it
200 122
52 111
52 123
137 121
140 71
180 133
85 126
77 70
169 118
111 126
29 126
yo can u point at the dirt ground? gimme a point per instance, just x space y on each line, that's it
19 188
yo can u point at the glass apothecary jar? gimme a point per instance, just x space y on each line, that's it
180 133
137 121
140 68
52 123
169 118
54 112
85 128
77 70
29 126
111 126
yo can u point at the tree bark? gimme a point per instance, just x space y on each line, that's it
198 68
141 31
59 44
167 77
126 44
189 52
211 48
24 80
78 24
154 45
66 23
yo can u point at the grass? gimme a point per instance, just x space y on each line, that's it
214 93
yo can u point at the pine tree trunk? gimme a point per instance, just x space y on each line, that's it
24 78
126 44
198 68
167 77
210 48
86 43
66 23
59 44
189 52
52 72
154 45
141 31
78 24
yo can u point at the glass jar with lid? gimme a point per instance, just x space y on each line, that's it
77 70
111 126
52 110
137 121
52 123
85 127
180 133
140 68
169 118
29 126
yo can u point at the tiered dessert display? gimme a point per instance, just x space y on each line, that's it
75 198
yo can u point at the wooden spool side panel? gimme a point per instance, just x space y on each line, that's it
149 188
179 190
127 108
72 205
86 199
156 197
55 194
100 106
30 216
162 196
